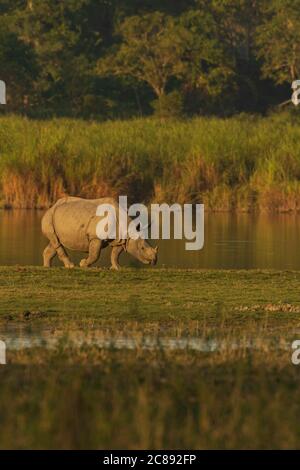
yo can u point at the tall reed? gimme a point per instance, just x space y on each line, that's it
240 163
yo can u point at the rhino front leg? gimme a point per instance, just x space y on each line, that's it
48 254
94 253
115 253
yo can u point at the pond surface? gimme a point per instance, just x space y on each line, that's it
20 337
232 241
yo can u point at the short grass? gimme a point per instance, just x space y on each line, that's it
58 296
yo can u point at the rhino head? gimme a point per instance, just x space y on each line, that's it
141 250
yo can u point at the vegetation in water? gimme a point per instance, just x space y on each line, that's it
90 399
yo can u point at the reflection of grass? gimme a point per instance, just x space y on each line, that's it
83 396
104 399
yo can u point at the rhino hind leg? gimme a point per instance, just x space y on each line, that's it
94 253
61 253
115 253
48 255
64 257
49 231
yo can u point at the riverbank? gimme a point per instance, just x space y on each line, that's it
158 297
243 163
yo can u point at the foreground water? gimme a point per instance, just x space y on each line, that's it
232 241
20 337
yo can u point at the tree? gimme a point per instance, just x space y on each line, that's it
18 64
278 41
164 52
151 51
66 38
205 63
237 22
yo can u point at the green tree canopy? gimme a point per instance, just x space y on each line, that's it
17 65
109 57
205 62
278 40
66 38
151 51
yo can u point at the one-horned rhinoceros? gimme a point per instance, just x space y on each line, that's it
72 223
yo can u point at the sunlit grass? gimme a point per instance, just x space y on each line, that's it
244 162
213 298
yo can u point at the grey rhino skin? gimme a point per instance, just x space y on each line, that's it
71 223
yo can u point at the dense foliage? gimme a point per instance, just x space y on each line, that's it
124 58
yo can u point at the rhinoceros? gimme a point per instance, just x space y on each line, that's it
72 223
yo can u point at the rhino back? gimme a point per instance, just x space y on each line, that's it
72 219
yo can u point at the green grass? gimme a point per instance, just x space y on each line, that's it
60 296
78 396
242 163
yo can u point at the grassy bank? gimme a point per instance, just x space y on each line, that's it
78 395
169 297
243 163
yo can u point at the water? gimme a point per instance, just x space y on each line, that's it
20 337
232 241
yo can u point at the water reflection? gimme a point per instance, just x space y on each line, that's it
18 338
232 241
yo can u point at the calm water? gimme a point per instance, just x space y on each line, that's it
231 241
19 337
